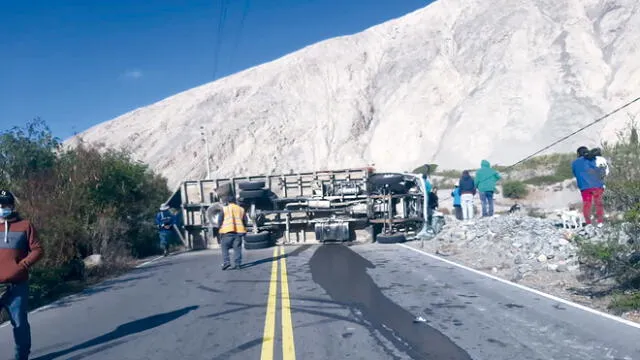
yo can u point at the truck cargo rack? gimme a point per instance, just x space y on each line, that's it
319 206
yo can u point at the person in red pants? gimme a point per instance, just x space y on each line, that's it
589 179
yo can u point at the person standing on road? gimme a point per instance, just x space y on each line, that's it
165 221
467 190
455 194
486 181
233 221
20 250
589 179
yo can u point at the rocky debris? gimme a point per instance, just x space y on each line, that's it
621 234
93 261
513 245
535 252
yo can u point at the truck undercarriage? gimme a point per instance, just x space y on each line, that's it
321 206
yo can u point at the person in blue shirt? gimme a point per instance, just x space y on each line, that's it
589 178
457 205
165 221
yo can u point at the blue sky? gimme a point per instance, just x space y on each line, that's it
79 63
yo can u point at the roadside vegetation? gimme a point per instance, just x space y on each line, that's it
82 201
514 189
617 258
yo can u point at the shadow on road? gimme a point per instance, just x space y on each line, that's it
359 291
121 331
102 287
293 253
240 348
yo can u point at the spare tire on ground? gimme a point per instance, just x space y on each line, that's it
257 245
391 238
262 236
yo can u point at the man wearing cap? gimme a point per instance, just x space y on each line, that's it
165 221
19 251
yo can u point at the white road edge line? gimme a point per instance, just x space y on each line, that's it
42 308
149 262
537 292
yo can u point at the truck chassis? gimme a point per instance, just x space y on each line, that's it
320 206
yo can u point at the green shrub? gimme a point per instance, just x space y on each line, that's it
619 258
82 201
514 189
625 302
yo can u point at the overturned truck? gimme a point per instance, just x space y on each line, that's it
334 205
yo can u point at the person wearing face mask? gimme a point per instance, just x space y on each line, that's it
19 251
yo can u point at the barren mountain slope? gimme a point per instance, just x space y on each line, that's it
452 83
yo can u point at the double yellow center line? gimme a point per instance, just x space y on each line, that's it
288 347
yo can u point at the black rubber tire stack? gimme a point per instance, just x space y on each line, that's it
255 192
261 240
391 238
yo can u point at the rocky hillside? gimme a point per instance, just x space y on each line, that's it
452 83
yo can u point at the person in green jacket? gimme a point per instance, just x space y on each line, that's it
486 181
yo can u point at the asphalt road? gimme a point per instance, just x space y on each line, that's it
340 302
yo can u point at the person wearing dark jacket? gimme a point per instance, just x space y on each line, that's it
467 189
165 221
20 250
433 204
589 178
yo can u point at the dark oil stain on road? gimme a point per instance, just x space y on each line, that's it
559 307
497 342
468 296
342 273
511 306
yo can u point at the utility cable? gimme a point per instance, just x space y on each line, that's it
243 18
603 117
221 20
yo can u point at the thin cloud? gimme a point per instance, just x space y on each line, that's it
133 74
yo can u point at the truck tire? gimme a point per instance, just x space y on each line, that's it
262 236
390 238
394 182
251 185
384 179
251 194
257 245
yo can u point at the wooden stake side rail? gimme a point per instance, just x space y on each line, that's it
284 186
198 195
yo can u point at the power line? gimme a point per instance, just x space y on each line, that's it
221 20
245 13
577 131
605 116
